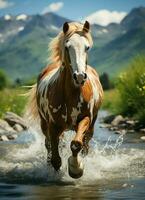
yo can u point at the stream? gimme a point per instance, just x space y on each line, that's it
114 168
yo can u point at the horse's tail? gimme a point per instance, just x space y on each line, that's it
31 107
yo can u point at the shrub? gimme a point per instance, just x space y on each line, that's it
131 87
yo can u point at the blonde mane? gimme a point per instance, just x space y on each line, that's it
56 46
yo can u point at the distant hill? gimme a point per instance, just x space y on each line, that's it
127 41
24 42
24 52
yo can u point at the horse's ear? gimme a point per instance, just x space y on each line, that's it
86 27
65 27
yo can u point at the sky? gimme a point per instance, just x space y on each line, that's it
96 11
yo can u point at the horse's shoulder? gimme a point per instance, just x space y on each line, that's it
47 70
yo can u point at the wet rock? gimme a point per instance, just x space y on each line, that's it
13 119
117 120
122 125
108 119
125 185
130 122
143 138
4 138
105 126
12 137
113 128
142 130
5 127
121 132
18 128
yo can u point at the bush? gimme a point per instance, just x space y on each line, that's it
131 87
3 80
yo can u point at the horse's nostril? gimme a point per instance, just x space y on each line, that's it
85 75
75 76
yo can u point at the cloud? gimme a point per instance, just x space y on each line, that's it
53 7
5 4
105 17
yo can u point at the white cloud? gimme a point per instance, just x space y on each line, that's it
53 7
105 17
5 4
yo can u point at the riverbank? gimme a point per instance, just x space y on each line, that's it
11 126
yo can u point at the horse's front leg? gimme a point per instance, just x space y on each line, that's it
54 134
75 166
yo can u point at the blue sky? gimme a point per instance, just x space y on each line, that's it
72 9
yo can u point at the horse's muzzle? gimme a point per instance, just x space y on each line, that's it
79 78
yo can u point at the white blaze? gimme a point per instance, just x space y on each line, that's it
77 51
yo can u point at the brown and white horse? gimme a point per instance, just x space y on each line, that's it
68 94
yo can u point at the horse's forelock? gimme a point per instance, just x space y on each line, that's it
56 47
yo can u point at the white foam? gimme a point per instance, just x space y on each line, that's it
103 162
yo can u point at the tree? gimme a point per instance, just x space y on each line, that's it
104 79
3 80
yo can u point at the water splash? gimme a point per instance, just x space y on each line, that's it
27 162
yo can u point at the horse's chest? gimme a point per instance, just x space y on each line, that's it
76 111
67 113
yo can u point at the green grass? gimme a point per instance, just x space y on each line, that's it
12 99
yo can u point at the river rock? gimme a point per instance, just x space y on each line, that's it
4 138
130 122
108 119
13 119
5 127
142 130
18 127
143 138
12 137
121 132
104 125
113 128
117 120
125 185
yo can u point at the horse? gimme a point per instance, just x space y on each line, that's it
68 95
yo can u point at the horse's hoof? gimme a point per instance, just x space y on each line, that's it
56 163
75 171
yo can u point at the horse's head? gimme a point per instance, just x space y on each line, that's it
76 48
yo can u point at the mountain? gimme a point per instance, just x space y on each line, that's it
115 55
135 19
24 42
129 42
25 53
